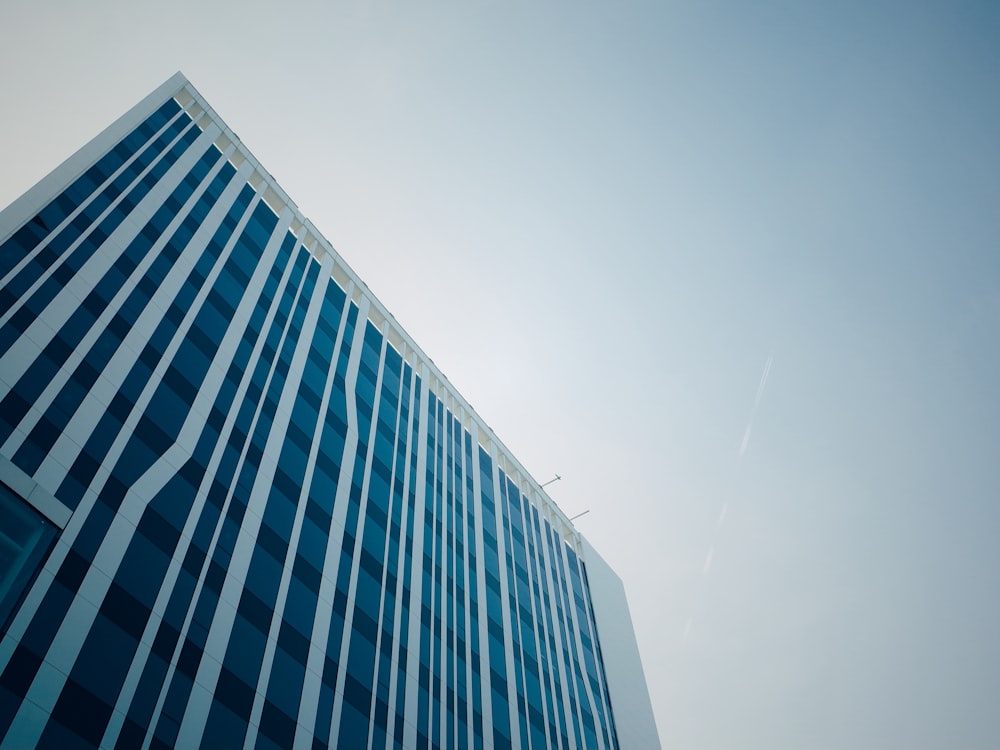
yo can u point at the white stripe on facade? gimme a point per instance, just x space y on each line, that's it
68 641
187 440
25 350
346 480
311 688
404 545
141 330
500 496
245 309
293 381
546 660
483 612
220 628
98 190
546 560
558 663
416 581
233 335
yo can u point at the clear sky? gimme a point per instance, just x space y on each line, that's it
731 269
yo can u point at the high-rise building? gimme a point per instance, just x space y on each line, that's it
239 507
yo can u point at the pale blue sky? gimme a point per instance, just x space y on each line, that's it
601 221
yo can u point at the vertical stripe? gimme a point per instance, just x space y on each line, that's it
284 527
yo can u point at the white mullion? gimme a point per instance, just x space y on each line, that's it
470 531
325 275
68 446
416 571
220 629
598 658
289 395
311 688
500 496
263 269
595 648
404 519
580 659
79 618
339 522
57 555
36 198
446 526
42 330
530 570
187 439
485 686
455 427
518 674
351 392
437 542
543 619
98 190
558 663
436 586
568 638
25 350
388 525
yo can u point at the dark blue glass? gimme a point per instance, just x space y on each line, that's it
27 238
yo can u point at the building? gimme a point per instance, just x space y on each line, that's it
243 509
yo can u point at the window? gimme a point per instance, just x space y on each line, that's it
25 539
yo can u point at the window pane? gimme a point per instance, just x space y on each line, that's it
25 538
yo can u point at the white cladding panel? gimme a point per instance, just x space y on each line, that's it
633 710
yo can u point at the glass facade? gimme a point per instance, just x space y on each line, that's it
279 525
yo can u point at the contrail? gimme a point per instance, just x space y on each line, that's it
756 403
707 567
763 379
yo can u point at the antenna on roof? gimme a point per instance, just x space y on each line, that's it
579 514
551 481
